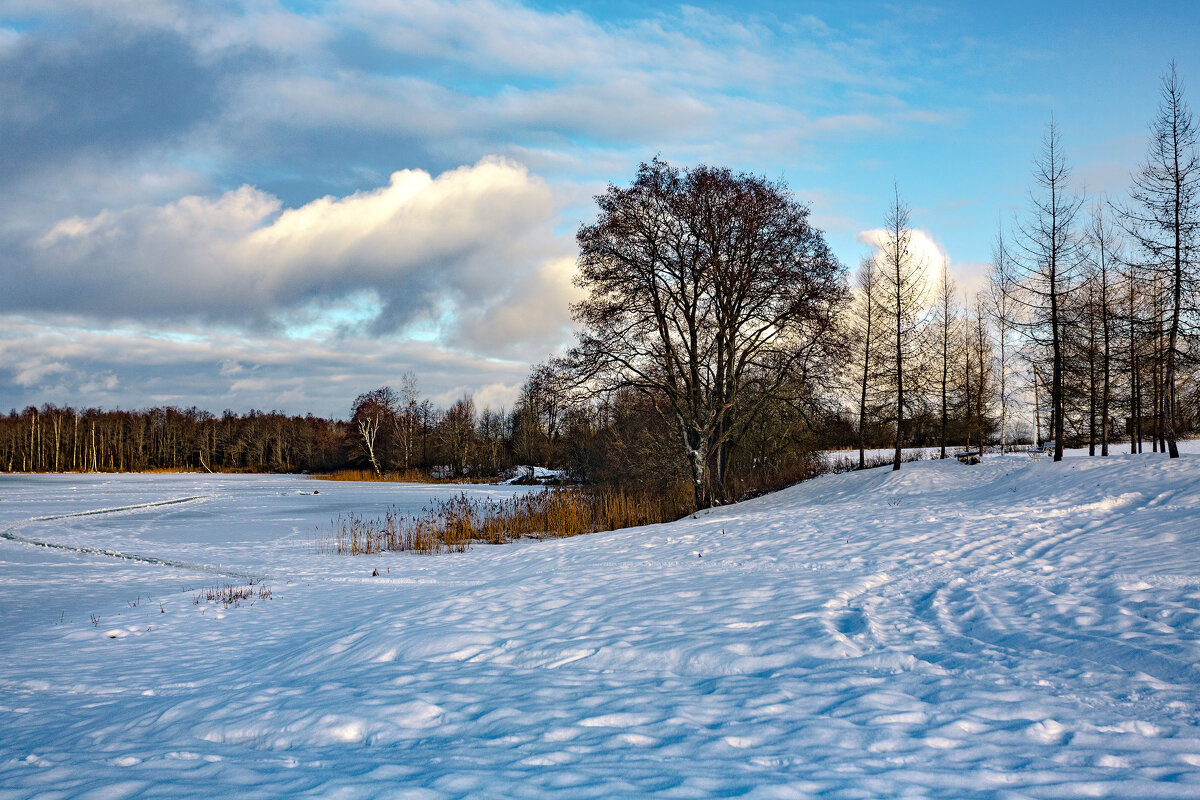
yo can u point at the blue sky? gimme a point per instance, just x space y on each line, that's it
280 205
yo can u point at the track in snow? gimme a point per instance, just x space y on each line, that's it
8 534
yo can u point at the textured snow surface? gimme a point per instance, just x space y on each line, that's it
1014 629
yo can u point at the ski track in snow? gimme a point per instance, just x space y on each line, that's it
8 534
1016 629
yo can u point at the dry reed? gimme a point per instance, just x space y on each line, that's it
454 524
398 476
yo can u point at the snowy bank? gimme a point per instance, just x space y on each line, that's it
1012 629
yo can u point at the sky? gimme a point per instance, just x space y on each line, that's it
281 205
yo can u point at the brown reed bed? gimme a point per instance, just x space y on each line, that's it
395 476
455 524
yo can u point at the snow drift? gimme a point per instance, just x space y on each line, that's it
1013 629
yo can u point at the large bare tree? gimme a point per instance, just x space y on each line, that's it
710 292
371 410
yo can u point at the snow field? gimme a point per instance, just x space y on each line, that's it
1013 629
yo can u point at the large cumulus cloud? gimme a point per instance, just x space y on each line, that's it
471 251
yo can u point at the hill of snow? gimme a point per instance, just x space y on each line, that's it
1014 629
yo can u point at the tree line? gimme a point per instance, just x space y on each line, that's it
721 345
64 439
389 431
712 299
1086 323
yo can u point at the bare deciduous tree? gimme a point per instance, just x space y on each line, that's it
371 410
406 419
709 292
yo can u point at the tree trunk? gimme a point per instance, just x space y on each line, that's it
899 389
1037 413
1092 399
862 400
696 446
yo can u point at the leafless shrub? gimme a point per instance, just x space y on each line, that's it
233 596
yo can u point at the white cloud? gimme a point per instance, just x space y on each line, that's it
495 396
970 277
926 251
34 370
60 359
473 247
9 40
125 216
105 382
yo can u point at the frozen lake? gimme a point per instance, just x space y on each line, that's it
232 525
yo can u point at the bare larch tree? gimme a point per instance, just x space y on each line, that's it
999 292
902 292
1164 222
946 320
865 332
1104 247
1046 258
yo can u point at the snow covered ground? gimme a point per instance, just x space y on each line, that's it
1115 448
1014 629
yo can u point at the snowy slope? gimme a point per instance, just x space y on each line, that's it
1014 629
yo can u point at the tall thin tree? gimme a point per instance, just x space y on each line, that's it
1001 285
902 292
866 331
1047 257
1105 251
1165 224
946 320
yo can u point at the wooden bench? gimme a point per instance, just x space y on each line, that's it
968 456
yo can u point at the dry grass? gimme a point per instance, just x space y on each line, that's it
398 476
218 470
233 596
144 471
453 525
